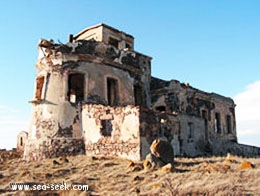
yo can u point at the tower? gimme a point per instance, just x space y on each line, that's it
86 91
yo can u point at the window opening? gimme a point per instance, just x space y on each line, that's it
113 42
217 123
127 46
138 95
112 91
191 130
106 127
21 141
204 116
229 125
160 108
162 127
76 87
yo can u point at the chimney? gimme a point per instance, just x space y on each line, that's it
70 38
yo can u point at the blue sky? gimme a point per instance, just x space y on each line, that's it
212 44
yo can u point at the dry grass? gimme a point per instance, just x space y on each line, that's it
112 176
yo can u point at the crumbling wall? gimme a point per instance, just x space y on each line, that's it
50 52
53 118
97 84
49 136
177 98
224 108
104 33
171 130
124 40
149 130
97 59
56 147
157 83
246 150
56 113
223 146
192 136
111 131
159 125
180 98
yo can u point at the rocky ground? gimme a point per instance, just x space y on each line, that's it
112 176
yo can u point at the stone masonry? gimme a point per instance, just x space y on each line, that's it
95 95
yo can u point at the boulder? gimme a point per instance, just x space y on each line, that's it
246 165
167 168
152 162
162 150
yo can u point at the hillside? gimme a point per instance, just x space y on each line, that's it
113 176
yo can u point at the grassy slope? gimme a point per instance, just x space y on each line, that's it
112 176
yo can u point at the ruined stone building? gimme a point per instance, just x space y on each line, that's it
95 95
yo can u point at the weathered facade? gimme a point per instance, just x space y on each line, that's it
95 95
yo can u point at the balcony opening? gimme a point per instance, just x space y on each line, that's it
112 91
106 127
39 87
76 87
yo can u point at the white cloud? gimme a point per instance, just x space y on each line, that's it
5 109
248 114
3 106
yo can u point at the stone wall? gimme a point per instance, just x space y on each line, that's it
107 147
57 147
185 133
247 150
149 130
111 131
224 107
192 136
104 33
178 98
222 147
53 125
